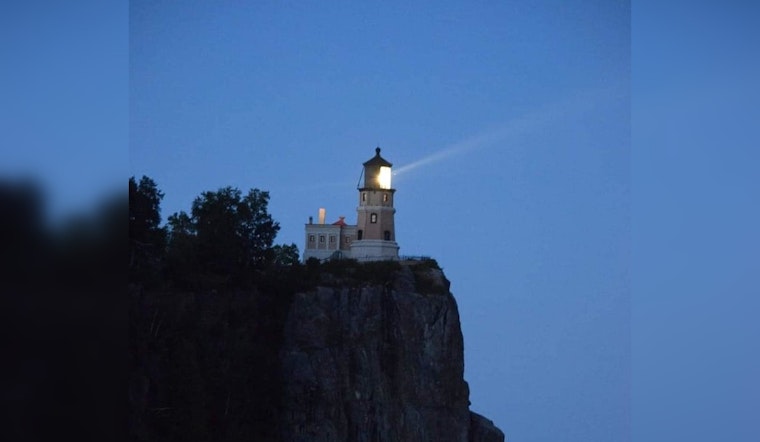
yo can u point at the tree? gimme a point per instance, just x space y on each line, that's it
286 254
181 255
226 234
147 239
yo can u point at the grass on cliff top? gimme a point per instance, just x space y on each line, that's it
342 271
352 272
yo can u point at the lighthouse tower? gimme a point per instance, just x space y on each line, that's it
375 229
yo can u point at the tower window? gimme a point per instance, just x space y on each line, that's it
321 238
359 235
385 197
364 196
387 235
373 218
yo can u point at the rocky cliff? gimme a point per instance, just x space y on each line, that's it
378 363
359 353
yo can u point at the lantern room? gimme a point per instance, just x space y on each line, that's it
377 173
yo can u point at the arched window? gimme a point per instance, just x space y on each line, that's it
373 218
387 235
359 235
364 196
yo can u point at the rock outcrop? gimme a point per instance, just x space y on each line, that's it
483 430
378 363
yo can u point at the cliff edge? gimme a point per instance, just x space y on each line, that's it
378 362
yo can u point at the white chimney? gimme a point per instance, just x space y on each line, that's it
321 215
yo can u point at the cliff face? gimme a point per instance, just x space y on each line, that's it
378 363
333 352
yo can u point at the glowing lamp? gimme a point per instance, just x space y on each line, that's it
384 177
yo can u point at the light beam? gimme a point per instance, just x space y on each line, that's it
529 122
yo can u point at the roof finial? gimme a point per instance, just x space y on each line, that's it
377 150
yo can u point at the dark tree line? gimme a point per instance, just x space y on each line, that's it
227 239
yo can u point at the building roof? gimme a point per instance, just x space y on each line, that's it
377 160
340 222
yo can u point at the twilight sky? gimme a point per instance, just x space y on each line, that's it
508 124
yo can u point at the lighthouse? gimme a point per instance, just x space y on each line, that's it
373 237
375 226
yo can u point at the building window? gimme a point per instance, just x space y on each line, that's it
385 197
321 238
311 238
359 235
364 196
348 240
373 218
332 239
387 235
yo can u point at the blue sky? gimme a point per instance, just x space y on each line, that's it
695 113
515 120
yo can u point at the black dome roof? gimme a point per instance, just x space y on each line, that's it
377 160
